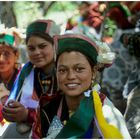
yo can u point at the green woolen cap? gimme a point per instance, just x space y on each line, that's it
7 39
77 44
43 27
36 27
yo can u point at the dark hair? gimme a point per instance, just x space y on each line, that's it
42 35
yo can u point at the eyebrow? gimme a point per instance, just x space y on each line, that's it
44 43
62 65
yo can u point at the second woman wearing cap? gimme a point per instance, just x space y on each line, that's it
36 80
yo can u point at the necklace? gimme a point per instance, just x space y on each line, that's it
46 82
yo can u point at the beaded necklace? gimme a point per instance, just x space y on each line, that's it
46 82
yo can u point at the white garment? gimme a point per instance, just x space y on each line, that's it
114 117
27 91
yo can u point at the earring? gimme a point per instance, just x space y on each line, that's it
92 82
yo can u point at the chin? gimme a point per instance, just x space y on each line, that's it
72 94
39 65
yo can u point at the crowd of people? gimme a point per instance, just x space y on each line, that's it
83 83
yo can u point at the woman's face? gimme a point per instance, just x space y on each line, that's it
40 51
74 73
8 59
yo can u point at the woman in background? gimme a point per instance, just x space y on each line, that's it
10 38
36 80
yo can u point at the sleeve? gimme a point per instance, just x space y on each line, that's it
31 115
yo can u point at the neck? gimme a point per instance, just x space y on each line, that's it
48 69
73 102
6 76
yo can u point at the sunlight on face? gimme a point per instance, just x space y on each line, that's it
7 58
74 73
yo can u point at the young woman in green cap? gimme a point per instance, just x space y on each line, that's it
81 111
10 38
36 80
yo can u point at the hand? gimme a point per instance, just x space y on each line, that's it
15 112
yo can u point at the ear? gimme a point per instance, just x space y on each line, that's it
17 54
94 72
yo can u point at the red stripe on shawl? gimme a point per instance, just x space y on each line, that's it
102 97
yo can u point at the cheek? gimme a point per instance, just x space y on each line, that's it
86 78
30 55
60 80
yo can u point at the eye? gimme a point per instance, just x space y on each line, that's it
6 53
62 70
31 48
43 46
79 69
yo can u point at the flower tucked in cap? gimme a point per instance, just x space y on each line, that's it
43 26
97 51
10 36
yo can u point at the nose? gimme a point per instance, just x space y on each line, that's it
71 75
2 57
37 51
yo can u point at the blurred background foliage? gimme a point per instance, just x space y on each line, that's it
21 13
101 19
25 12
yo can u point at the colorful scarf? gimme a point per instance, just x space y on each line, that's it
16 89
78 126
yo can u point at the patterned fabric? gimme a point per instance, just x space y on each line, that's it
132 114
114 78
133 79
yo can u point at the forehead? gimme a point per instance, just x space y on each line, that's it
36 40
72 58
5 48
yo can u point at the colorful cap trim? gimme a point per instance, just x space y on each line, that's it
99 52
43 26
77 43
10 36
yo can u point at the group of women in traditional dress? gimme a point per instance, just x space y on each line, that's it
55 94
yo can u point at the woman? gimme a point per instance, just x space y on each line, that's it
10 38
82 111
36 80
